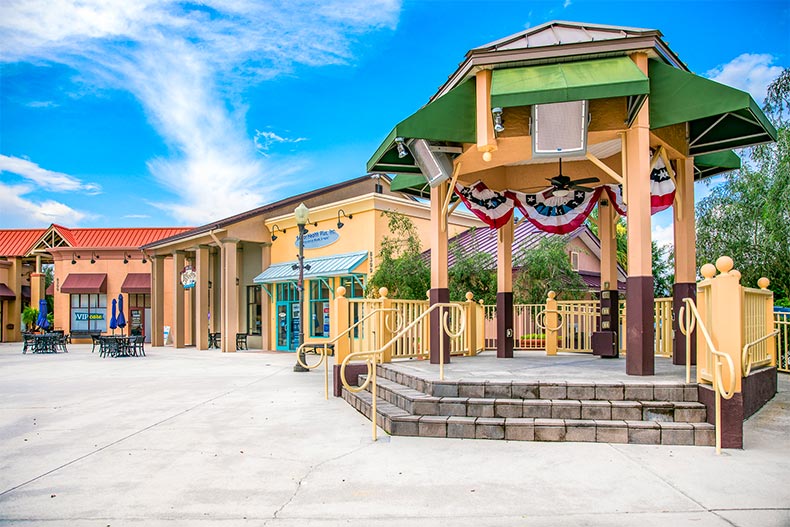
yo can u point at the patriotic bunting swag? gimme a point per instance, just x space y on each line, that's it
559 215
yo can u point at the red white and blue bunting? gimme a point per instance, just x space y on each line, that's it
555 214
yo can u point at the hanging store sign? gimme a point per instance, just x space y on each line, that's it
81 317
316 240
188 277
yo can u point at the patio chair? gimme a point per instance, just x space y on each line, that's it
138 346
29 342
241 341
96 341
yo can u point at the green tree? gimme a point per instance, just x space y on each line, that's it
747 217
400 268
473 271
543 268
663 270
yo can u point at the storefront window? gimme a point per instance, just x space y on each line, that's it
253 310
89 312
319 309
353 287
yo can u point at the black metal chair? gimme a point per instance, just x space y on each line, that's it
214 340
138 346
29 342
96 340
241 341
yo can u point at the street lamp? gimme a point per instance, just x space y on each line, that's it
300 213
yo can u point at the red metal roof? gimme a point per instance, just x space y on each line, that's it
133 237
136 283
18 242
84 283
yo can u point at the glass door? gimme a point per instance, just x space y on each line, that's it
296 320
283 325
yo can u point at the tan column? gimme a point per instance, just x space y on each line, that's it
605 343
267 306
177 327
640 359
486 140
38 284
13 315
439 292
230 294
504 295
685 254
157 300
201 296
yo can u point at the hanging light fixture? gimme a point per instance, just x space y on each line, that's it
341 212
498 126
402 152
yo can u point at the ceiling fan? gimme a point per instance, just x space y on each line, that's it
563 185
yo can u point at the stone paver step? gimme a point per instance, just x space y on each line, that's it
605 391
396 421
418 403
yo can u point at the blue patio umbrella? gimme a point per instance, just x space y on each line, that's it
42 321
113 320
121 318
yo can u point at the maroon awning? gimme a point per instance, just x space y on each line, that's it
137 283
50 290
6 293
85 283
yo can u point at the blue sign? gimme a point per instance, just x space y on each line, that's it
316 240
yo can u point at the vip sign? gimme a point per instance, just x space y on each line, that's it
81 317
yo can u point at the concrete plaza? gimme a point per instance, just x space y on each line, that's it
186 437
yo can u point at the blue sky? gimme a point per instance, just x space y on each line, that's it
153 113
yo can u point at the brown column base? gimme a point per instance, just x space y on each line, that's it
640 356
504 325
438 296
679 292
353 371
731 416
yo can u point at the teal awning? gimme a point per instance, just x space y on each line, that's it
448 119
719 117
568 81
324 266
711 164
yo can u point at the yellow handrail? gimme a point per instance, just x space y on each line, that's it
371 358
718 387
333 341
543 315
746 358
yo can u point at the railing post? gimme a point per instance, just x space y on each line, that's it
340 324
726 318
551 321
471 324
763 284
385 328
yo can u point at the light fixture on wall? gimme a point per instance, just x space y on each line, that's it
402 152
145 257
275 228
94 257
340 213
126 258
498 126
73 256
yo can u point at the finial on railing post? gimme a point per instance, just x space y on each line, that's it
724 264
763 283
708 271
469 296
340 291
736 273
383 292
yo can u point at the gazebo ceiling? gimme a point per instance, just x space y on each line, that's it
570 64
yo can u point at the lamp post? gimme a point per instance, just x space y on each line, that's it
300 213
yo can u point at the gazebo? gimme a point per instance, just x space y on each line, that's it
554 121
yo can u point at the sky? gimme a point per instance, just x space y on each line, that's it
159 113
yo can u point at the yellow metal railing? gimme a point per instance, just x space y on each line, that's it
758 349
413 343
527 334
322 348
580 319
782 325
373 357
662 322
687 324
489 326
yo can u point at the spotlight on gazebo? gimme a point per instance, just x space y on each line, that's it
498 126
435 166
402 152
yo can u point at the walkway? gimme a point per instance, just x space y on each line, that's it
204 438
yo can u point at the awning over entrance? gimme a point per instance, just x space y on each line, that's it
568 81
450 118
136 283
85 283
719 117
339 265
6 293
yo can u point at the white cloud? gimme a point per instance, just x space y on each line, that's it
749 72
45 179
566 3
265 140
20 211
663 234
42 104
188 64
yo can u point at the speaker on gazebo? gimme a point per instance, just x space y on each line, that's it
559 129
435 166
